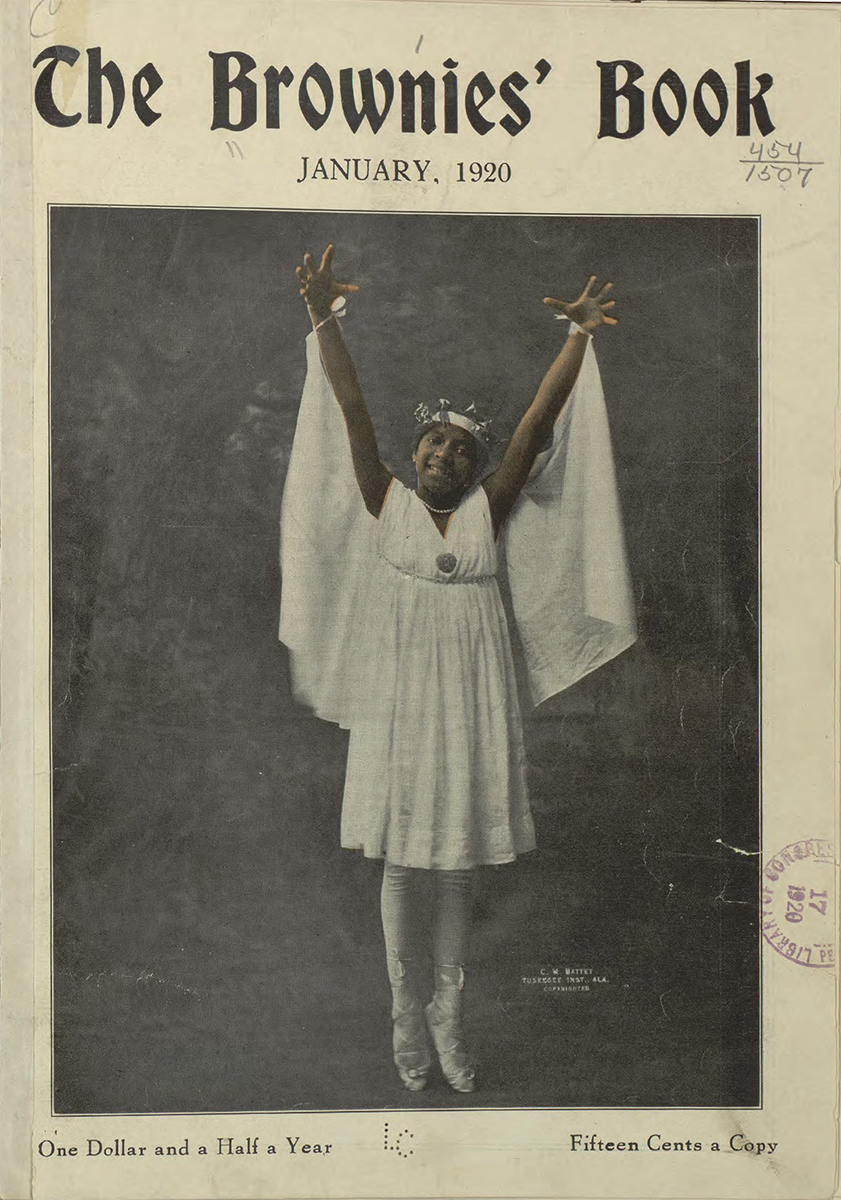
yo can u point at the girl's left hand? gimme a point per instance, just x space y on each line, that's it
318 287
588 311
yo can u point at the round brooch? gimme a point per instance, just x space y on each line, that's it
446 563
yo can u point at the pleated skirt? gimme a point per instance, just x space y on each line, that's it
436 774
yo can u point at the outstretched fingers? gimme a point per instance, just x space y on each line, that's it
561 305
316 283
325 271
605 306
305 273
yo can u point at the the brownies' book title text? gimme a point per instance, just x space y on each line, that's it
246 95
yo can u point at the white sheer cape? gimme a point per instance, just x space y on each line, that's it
563 551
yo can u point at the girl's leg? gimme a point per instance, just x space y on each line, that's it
399 906
453 909
450 940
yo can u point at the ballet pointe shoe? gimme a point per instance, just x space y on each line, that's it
443 1016
410 1043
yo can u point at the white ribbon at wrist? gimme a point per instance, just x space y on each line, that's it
574 327
337 310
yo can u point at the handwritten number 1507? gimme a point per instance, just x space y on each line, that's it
778 160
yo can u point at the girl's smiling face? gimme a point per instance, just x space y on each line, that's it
446 459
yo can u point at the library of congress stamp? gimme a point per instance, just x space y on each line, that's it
797 903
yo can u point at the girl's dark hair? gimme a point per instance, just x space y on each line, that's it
482 458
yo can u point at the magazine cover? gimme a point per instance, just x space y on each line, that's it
419 613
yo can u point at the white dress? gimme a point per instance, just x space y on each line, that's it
436 767
415 658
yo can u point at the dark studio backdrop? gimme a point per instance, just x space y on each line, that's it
213 948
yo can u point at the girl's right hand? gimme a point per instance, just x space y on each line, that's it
318 287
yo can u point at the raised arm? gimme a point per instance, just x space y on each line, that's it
320 290
534 431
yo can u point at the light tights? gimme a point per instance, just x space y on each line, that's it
407 893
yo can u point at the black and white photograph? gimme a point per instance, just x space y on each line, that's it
419 573
481 827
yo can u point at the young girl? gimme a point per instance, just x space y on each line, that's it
397 631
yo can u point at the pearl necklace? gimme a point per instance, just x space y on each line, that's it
440 511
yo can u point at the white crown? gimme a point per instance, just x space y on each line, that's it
424 415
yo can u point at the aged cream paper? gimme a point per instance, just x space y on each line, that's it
68 1130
